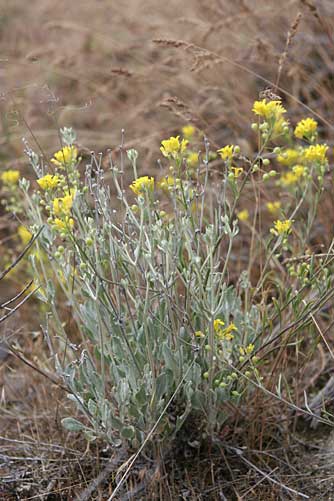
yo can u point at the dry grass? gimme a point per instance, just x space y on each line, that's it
99 69
150 68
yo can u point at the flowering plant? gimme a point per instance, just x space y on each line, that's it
157 315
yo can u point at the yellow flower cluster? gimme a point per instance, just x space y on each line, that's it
306 128
224 333
65 156
63 205
142 185
48 182
218 324
270 110
226 153
199 334
243 215
289 157
292 177
247 350
63 224
192 159
173 147
188 131
169 182
316 153
10 177
273 207
281 227
237 171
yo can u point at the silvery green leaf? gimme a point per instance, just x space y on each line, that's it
92 408
116 423
181 419
39 294
170 361
72 424
68 135
198 400
132 155
90 435
128 432
141 396
24 184
161 385
134 411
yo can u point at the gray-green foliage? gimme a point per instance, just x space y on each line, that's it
145 287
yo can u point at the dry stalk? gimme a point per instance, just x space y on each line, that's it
291 35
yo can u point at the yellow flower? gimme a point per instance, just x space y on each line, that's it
226 153
237 171
279 126
292 177
289 157
63 224
199 334
281 227
227 332
64 204
243 215
169 182
10 177
288 179
306 128
188 131
250 349
268 110
172 147
316 153
192 159
273 207
217 325
246 351
48 182
142 184
65 156
299 170
24 234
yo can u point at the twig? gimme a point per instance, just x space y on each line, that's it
20 256
240 453
13 310
86 495
13 299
